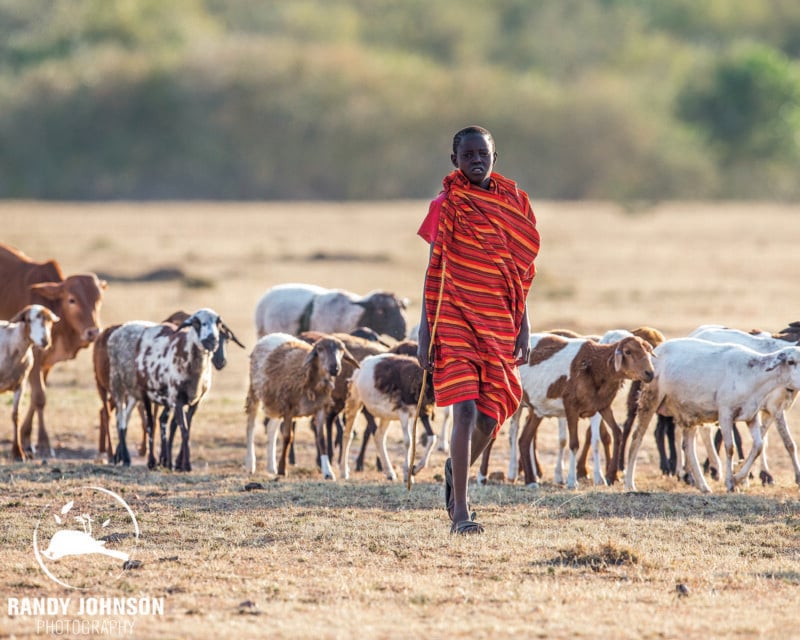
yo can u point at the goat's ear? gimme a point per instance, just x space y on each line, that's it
348 357
21 316
310 357
229 334
617 358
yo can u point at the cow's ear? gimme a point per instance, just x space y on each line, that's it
49 290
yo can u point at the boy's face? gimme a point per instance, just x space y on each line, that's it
475 157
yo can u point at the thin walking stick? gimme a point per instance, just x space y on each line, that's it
425 378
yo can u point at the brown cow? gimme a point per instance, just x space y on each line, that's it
75 299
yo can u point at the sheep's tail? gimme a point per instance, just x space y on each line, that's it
425 377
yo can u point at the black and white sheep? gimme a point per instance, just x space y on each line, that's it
294 308
389 385
164 364
173 369
31 327
289 379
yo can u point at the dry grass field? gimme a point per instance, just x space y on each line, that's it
303 558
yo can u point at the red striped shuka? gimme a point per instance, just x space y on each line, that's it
486 240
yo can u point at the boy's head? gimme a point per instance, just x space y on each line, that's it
474 154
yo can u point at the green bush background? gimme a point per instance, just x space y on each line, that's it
631 100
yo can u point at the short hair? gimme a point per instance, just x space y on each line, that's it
472 130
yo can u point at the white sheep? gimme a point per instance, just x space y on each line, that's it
31 327
290 379
294 308
699 382
778 402
389 386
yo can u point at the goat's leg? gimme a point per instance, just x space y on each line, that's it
429 445
535 451
758 445
513 455
251 409
714 463
599 435
165 455
104 440
145 435
380 440
353 406
583 456
292 460
483 468
183 461
272 427
123 415
408 462
563 435
322 424
572 428
616 442
287 434
632 403
447 423
149 427
525 442
767 418
690 447
711 449
665 438
369 432
173 427
648 401
788 443
17 453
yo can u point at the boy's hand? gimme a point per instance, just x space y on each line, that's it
423 345
522 346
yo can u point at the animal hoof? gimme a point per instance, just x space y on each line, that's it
766 478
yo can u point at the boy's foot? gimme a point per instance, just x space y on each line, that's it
466 527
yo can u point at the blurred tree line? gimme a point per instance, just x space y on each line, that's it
337 99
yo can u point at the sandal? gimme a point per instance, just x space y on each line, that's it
466 527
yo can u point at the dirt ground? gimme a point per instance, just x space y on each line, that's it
300 557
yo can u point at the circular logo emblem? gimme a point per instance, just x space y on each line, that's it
87 540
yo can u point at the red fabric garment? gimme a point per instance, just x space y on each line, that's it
486 240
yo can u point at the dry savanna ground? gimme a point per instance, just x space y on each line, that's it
303 558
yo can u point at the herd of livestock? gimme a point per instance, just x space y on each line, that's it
332 355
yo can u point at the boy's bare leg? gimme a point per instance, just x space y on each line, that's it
472 432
